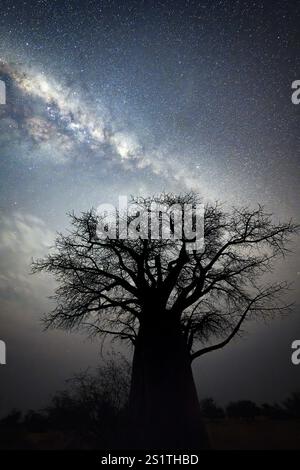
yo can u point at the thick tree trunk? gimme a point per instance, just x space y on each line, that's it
164 407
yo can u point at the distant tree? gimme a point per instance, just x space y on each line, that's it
292 405
12 420
245 409
210 410
170 303
274 411
35 421
93 405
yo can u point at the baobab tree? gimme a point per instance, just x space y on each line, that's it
172 304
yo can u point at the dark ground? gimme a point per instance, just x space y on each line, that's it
224 434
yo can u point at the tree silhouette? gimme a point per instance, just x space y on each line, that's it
93 406
292 405
169 302
210 410
246 409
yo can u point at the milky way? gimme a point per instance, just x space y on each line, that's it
57 123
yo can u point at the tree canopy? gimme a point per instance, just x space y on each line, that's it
111 286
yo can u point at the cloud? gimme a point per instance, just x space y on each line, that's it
37 362
22 238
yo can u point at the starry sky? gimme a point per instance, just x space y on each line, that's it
109 97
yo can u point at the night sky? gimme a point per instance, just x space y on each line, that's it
109 97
